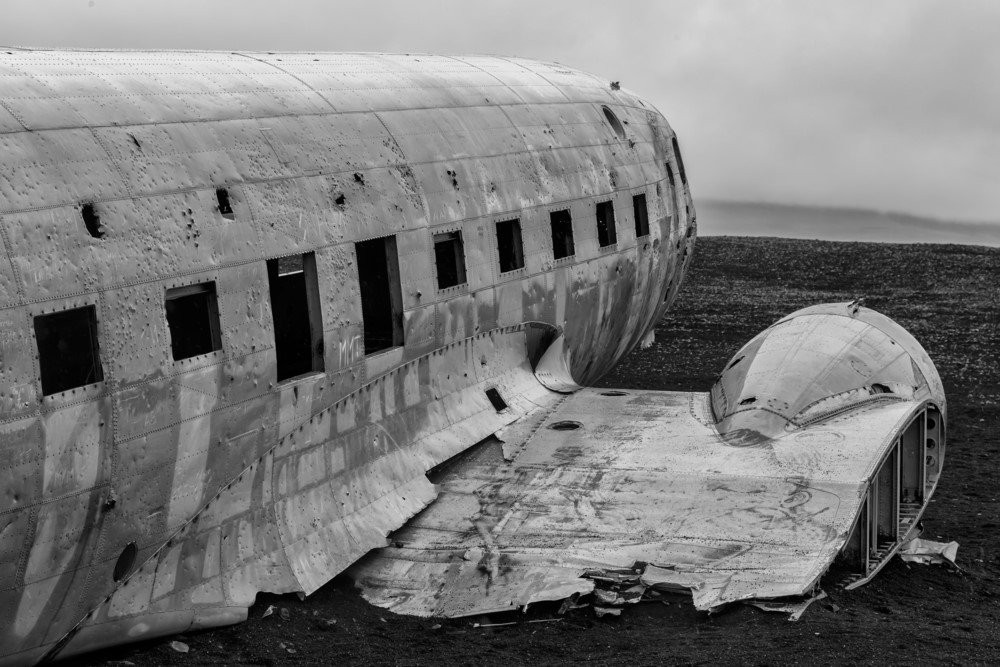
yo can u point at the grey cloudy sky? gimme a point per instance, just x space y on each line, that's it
891 105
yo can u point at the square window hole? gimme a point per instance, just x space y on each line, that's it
381 295
562 234
449 258
193 319
607 234
68 351
509 245
641 215
225 208
295 312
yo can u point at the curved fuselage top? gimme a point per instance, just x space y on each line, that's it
319 151
128 177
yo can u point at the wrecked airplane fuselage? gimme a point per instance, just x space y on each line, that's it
249 300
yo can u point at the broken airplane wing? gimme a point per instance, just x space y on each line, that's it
821 441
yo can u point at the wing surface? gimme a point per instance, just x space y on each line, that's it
608 480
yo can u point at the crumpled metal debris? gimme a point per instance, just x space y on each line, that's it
607 611
794 608
929 552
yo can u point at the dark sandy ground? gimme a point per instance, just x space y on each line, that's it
947 296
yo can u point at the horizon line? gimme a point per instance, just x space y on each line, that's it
854 209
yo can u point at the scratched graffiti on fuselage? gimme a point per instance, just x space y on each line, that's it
350 350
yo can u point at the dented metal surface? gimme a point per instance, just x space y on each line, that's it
160 495
822 440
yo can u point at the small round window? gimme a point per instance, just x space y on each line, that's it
616 124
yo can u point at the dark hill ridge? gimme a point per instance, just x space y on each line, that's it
732 218
945 295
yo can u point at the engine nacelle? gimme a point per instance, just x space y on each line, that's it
818 362
821 363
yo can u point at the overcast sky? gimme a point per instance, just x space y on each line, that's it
890 105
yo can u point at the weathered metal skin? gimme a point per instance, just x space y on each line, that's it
835 459
226 481
818 362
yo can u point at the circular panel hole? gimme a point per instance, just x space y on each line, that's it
613 121
931 423
931 444
125 561
565 426
614 392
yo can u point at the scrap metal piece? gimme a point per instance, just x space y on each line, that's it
794 608
929 552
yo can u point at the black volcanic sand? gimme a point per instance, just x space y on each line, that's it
947 296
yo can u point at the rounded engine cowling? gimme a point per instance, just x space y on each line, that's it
818 362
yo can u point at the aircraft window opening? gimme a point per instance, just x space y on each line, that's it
735 361
123 567
880 389
496 399
613 121
381 295
68 351
607 234
562 234
295 311
641 215
509 245
749 401
565 426
670 175
680 160
193 320
225 208
449 259
92 221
